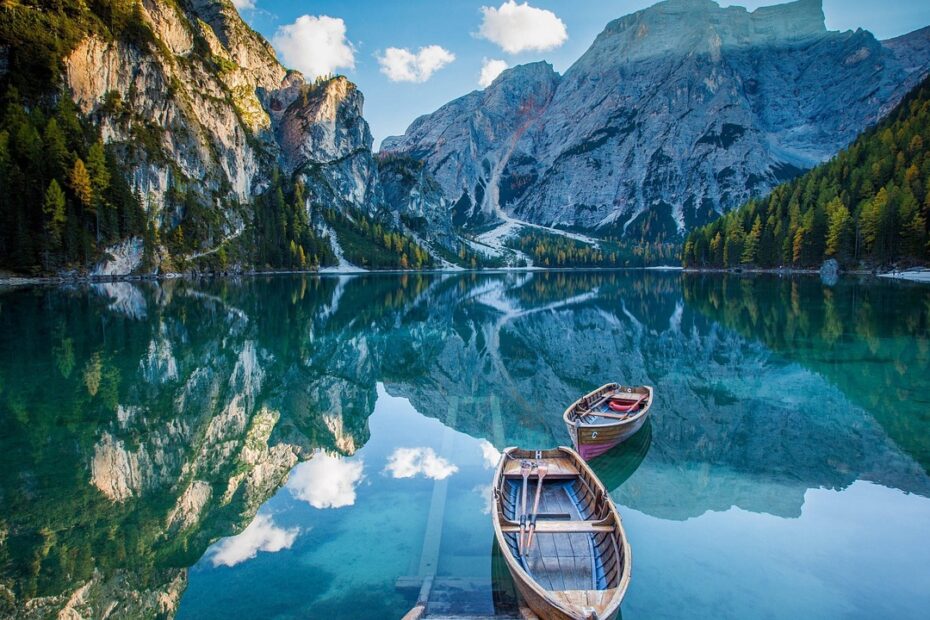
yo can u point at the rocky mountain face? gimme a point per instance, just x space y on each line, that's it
202 116
201 99
469 143
676 113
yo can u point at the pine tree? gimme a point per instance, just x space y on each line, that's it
839 229
716 249
751 247
79 180
56 150
99 176
54 211
797 245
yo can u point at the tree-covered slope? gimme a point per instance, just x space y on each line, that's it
869 205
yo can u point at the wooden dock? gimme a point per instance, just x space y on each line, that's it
446 597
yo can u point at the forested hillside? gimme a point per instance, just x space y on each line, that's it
869 205
61 191
151 136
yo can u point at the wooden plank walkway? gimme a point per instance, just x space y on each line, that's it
453 597
432 539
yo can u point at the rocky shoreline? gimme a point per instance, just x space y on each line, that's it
911 275
72 279
8 280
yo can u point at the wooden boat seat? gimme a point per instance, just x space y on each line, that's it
563 527
558 468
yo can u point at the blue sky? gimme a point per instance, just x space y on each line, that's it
411 56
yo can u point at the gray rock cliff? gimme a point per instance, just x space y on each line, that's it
675 113
207 107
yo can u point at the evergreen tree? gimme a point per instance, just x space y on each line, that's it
751 247
79 181
56 150
54 210
838 230
99 175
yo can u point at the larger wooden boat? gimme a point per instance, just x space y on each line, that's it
560 534
606 417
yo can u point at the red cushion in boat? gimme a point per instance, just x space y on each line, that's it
623 406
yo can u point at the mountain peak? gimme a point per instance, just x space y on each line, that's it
520 76
793 19
671 24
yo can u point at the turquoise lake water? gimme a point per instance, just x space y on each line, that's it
313 447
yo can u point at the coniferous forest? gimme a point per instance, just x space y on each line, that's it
869 206
64 194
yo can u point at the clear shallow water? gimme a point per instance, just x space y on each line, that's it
146 433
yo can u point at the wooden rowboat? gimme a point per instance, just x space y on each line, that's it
574 562
606 417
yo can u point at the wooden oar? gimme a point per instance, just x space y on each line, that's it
612 416
541 472
525 469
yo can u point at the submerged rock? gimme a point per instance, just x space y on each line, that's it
830 272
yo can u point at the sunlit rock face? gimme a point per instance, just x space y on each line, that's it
675 113
213 124
323 134
208 106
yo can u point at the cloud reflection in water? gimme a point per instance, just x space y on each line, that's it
326 481
410 462
261 535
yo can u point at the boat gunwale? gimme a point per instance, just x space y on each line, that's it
525 578
577 423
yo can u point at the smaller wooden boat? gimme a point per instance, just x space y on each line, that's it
560 534
606 417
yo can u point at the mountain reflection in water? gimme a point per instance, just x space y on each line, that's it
142 423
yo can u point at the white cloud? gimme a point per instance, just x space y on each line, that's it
491 454
261 535
409 462
326 481
242 5
402 65
486 493
520 27
315 46
490 69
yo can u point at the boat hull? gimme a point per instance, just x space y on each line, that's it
543 609
593 442
592 439
582 524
